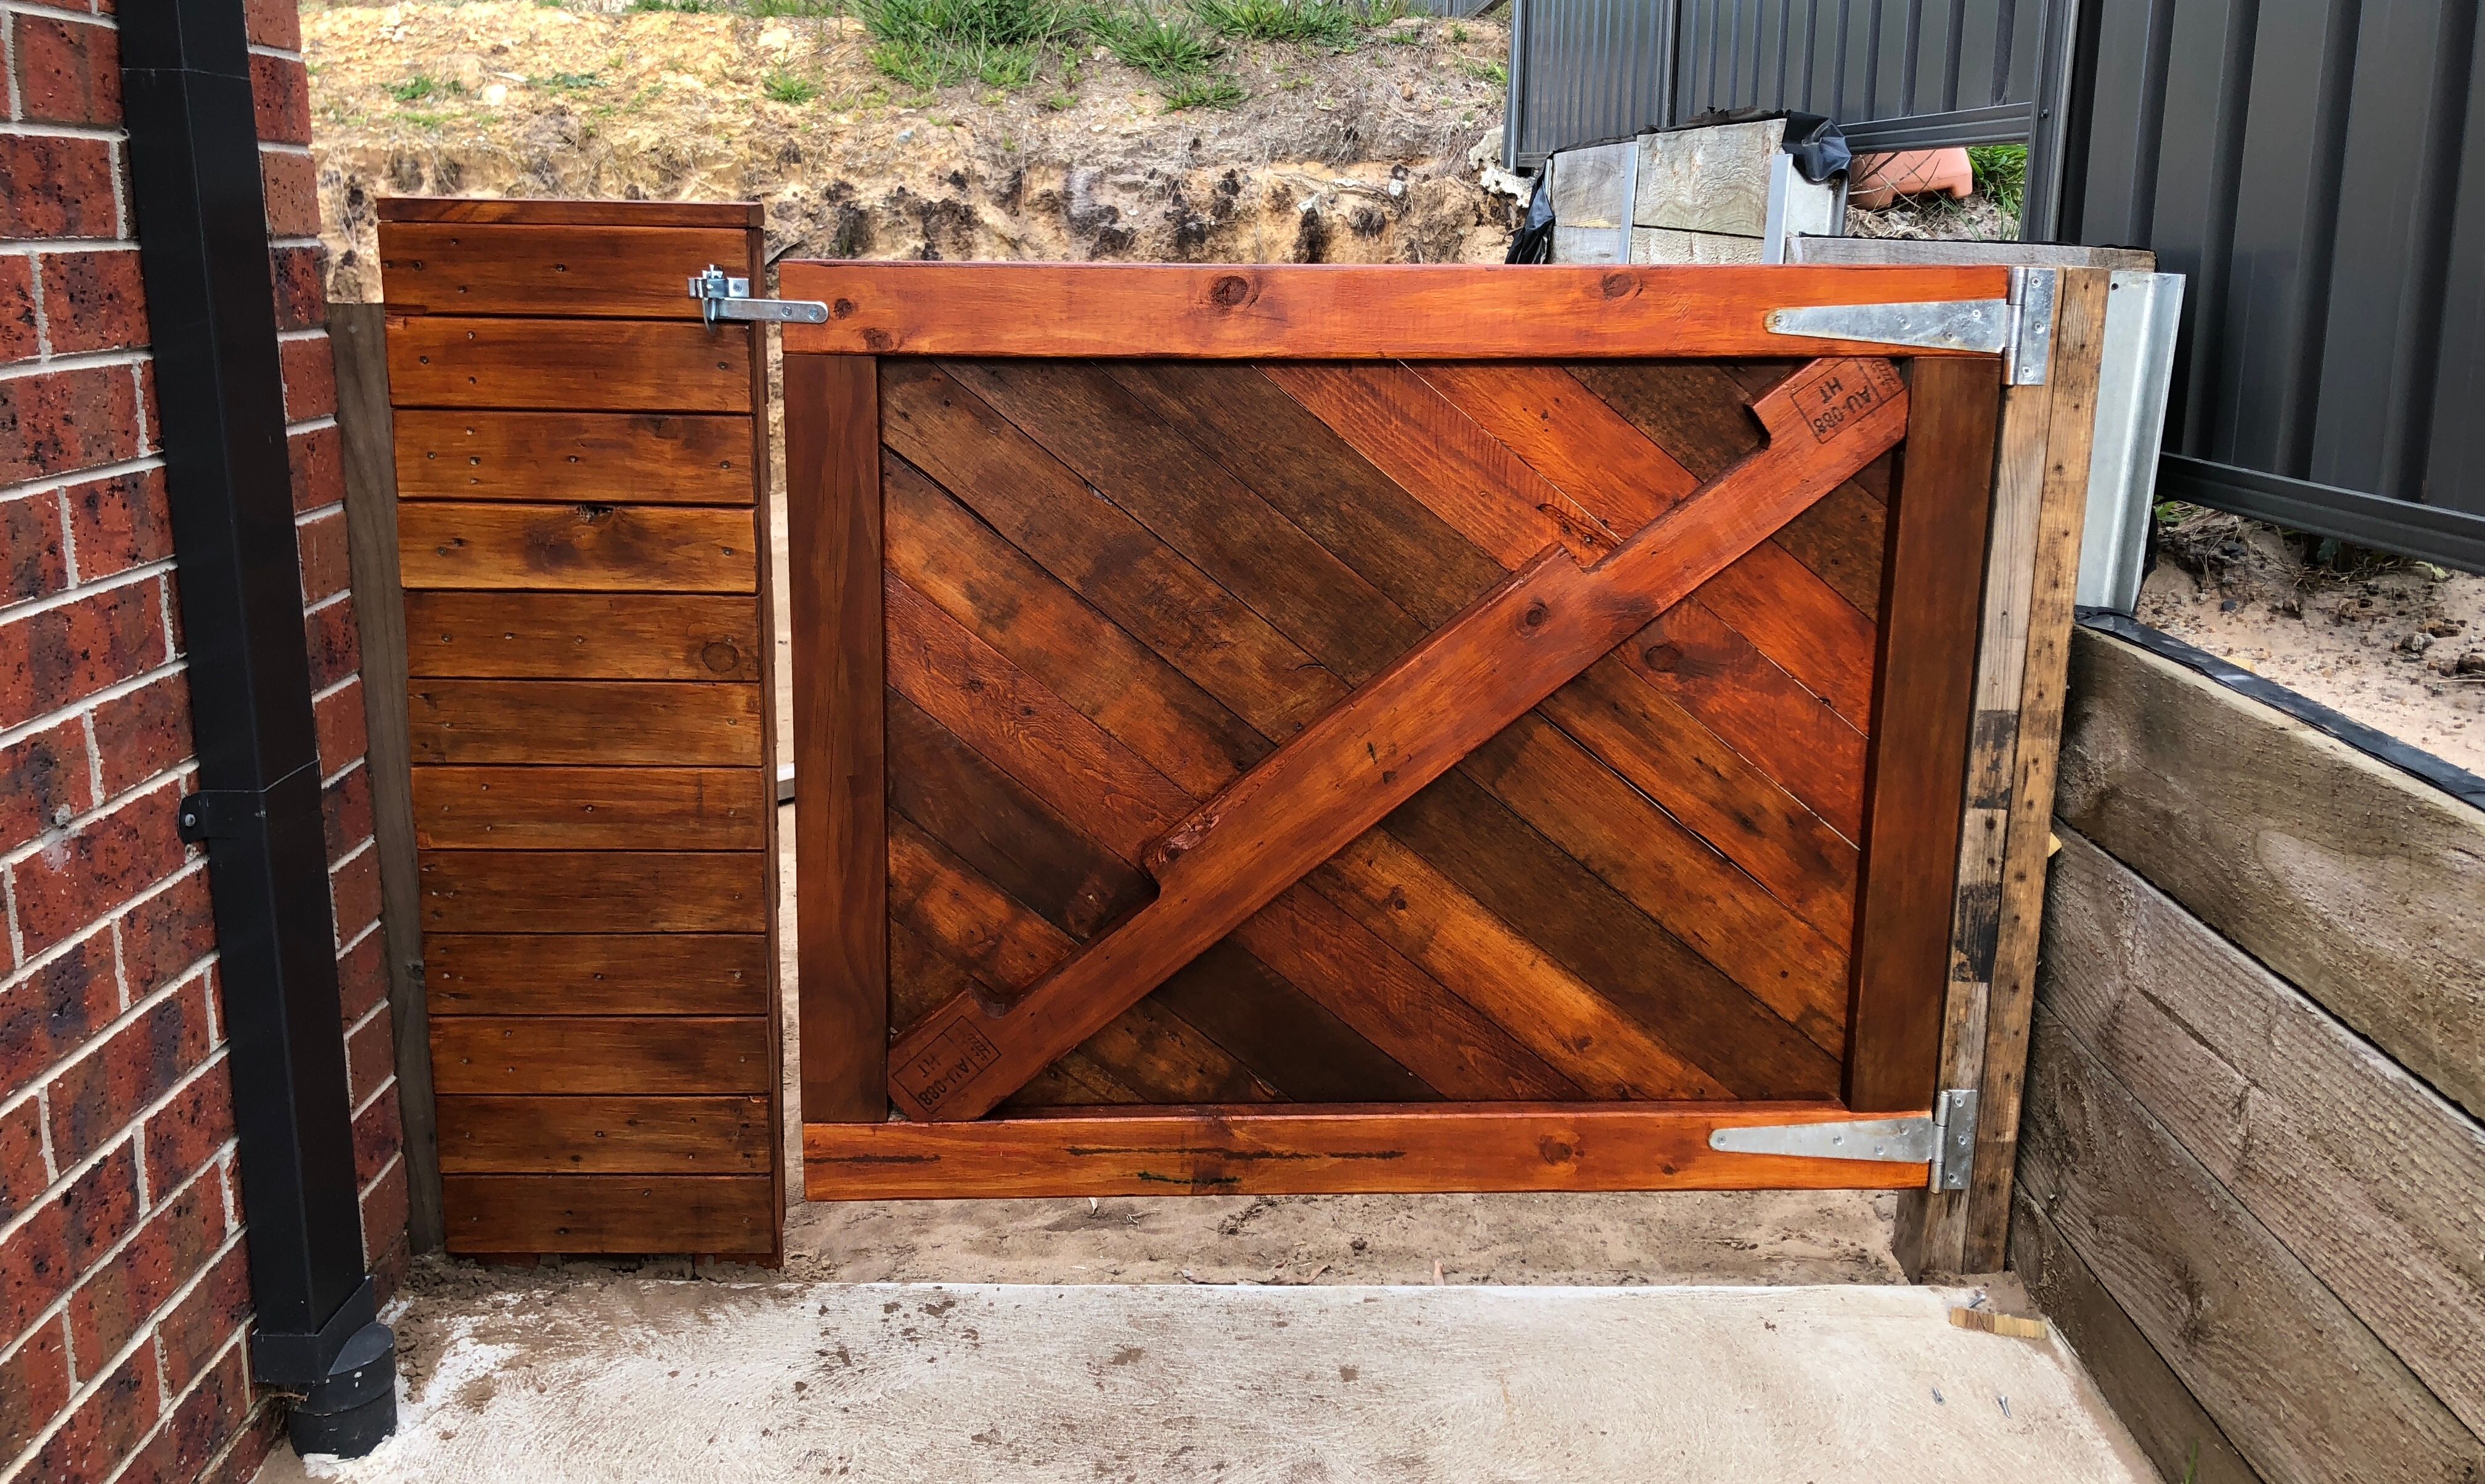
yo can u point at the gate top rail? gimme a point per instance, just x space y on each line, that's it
1328 311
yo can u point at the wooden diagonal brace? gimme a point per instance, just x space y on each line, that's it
1399 731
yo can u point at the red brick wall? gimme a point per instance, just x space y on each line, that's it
125 1291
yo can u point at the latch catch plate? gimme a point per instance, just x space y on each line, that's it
721 298
2019 328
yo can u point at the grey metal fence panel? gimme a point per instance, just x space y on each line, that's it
1584 71
2318 172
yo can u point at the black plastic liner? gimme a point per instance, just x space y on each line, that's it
2381 746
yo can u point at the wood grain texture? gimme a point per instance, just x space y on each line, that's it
2365 1173
615 974
1328 313
2304 1389
2168 1422
1913 803
595 1053
581 457
1933 1226
585 1213
2361 886
577 270
582 636
593 891
1397 733
485 210
607 1135
357 335
835 505
633 365
592 809
1315 1151
578 547
584 722
2079 335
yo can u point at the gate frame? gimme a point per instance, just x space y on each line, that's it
852 1150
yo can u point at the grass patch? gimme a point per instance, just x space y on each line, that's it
1496 73
2001 172
1000 43
806 10
1217 91
418 87
424 121
1321 22
1161 46
566 82
786 88
678 7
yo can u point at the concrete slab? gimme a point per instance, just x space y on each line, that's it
646 1379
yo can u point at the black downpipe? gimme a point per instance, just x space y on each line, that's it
202 230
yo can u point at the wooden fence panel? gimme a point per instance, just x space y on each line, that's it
581 531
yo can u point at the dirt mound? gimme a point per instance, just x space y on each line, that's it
1358 155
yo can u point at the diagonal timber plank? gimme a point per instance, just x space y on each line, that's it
997 593
1107 793
1400 730
1011 602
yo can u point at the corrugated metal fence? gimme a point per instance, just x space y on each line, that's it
2316 169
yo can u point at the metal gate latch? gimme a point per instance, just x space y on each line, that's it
2019 329
1945 1141
721 298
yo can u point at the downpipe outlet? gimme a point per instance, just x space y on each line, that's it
354 1408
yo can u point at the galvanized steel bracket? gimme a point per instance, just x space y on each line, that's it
721 298
2019 329
1945 1141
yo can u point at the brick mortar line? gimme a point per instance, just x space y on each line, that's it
171 1405
320 424
33 247
329 781
55 1308
129 577
387 1165
144 463
370 843
147 1334
40 1087
373 926
11 736
101 133
355 678
295 336
109 807
60 950
75 361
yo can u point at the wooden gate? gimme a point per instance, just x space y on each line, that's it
580 462
1391 728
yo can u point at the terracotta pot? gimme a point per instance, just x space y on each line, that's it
1881 179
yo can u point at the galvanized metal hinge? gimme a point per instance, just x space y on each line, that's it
1945 1141
721 298
2019 328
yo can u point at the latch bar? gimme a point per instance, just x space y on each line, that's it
721 298
1944 1140
2019 328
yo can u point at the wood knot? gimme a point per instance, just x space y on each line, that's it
1619 285
720 657
1665 658
1555 1151
1535 616
878 339
1231 290
841 309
